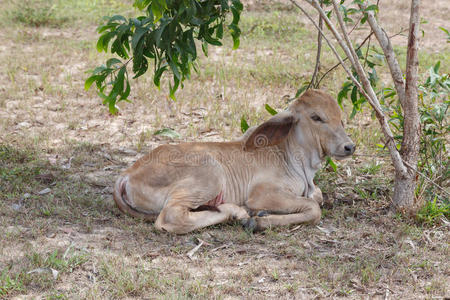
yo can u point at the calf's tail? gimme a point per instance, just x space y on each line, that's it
121 199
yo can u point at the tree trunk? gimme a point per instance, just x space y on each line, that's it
405 183
405 160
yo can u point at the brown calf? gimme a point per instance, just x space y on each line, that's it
268 173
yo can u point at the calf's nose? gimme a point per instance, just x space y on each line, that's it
349 149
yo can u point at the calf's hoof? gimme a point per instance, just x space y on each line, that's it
262 213
258 213
250 225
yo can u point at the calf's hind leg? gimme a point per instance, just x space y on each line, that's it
179 215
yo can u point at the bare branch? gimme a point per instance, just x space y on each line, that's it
333 30
366 88
388 51
313 81
329 44
344 32
338 64
367 50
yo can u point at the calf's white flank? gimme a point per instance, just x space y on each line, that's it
267 174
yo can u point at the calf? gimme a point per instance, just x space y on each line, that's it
268 173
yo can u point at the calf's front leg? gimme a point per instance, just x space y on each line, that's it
282 207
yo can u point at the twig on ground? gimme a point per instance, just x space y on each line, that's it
191 253
295 228
221 247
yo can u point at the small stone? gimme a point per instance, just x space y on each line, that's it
24 125
16 206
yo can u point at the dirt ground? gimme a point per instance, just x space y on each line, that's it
60 151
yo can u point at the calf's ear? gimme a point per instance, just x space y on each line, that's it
271 132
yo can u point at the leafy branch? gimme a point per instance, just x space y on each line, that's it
165 35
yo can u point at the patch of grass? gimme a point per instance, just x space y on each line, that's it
36 13
16 276
371 168
432 212
9 284
57 260
19 170
120 279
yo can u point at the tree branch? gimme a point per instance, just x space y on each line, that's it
333 49
338 64
366 88
313 81
388 51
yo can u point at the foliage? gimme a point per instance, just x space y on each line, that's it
372 58
432 211
244 125
433 109
446 32
167 132
166 35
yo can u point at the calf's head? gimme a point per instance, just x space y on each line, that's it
313 120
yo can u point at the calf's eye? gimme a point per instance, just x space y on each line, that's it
316 118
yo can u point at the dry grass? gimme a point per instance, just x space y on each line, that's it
55 135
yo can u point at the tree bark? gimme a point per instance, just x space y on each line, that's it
405 184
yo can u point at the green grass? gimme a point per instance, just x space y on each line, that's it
60 13
433 211
37 270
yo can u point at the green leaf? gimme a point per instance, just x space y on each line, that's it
173 89
244 125
141 4
237 4
235 33
271 111
138 34
236 15
117 18
167 132
364 19
344 92
157 76
354 95
301 90
219 31
90 81
205 48
157 10
143 68
174 68
127 91
437 67
112 61
331 163
372 7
